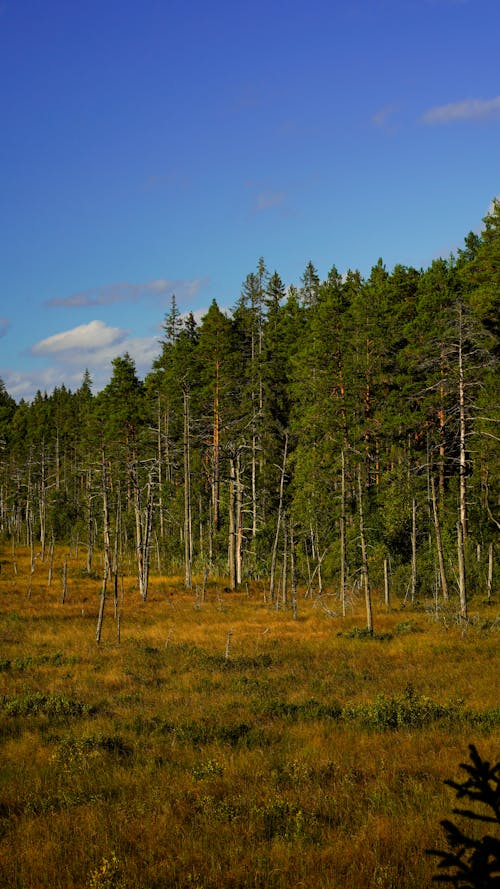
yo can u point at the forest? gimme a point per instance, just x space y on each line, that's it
340 436
248 605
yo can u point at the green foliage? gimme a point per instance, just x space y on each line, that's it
410 710
39 704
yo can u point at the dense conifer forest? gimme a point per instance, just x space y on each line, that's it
342 435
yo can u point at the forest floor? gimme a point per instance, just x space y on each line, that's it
215 742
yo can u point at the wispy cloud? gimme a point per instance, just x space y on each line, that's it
468 109
448 2
382 117
268 200
4 326
126 292
267 197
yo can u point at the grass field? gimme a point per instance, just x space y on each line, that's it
287 753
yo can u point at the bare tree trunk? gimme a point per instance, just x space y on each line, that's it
293 574
463 453
232 525
160 472
413 549
32 551
461 571
278 522
490 572
51 560
90 520
387 595
284 589
239 521
145 518
364 559
439 545
64 581
343 540
42 505
107 546
188 546
216 454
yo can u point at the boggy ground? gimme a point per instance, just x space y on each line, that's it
310 756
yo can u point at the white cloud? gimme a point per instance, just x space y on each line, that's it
89 338
25 384
126 292
468 109
4 326
70 352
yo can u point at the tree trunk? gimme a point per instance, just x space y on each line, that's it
461 571
188 546
278 521
439 545
463 453
343 540
387 595
490 572
107 547
413 550
239 521
232 524
293 575
364 559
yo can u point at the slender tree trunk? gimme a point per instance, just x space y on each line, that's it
90 520
387 594
188 548
490 572
413 550
364 559
32 551
284 590
64 581
216 456
278 521
51 560
293 574
107 547
139 531
239 521
232 524
461 571
343 540
439 545
43 501
463 453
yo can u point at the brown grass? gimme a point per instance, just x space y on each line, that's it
183 770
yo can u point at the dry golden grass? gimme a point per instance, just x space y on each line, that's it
155 762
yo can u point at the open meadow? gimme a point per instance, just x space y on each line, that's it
211 740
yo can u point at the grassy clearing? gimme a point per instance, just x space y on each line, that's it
313 756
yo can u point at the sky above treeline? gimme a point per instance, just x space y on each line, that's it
164 146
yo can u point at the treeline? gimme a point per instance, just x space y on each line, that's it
343 433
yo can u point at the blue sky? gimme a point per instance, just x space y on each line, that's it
162 147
